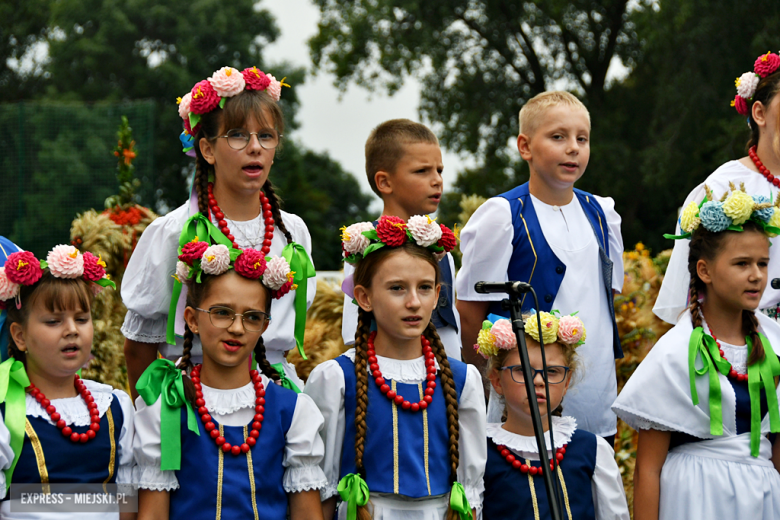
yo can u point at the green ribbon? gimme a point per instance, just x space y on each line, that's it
162 380
669 236
13 382
286 381
704 345
762 374
354 491
459 503
301 265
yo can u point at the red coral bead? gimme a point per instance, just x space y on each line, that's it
214 434
406 405
50 409
385 388
510 458
245 447
257 425
524 468
45 403
200 402
415 407
372 359
377 374
258 417
84 437
220 440
91 434
235 450
60 423
428 399
429 391
226 447
251 441
66 431
398 399
391 394
431 384
55 417
95 427
254 433
75 437
379 381
423 405
202 410
559 457
209 426
205 418
516 464
505 453
260 392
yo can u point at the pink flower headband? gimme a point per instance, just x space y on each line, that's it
747 83
64 261
497 333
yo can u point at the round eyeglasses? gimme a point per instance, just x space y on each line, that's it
223 317
555 374
238 138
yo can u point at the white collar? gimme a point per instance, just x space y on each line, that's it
224 402
563 429
400 370
73 410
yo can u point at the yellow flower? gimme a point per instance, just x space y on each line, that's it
689 219
549 327
738 207
485 342
639 246
774 221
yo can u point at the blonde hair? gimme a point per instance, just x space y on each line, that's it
533 110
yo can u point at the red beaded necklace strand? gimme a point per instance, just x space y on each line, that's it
733 374
66 430
525 468
761 168
430 364
212 428
222 223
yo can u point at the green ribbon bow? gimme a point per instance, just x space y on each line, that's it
459 503
286 381
762 374
13 382
704 345
162 380
303 269
354 491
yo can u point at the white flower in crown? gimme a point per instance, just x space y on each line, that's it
228 82
182 271
353 239
276 274
8 289
215 259
424 230
65 262
746 85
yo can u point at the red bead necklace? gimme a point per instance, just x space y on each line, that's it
212 428
430 364
733 374
222 223
761 168
66 430
525 468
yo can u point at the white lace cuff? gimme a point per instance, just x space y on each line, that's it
152 477
304 478
400 370
638 422
329 490
474 496
73 410
144 330
2 485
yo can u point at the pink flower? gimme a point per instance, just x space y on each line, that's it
255 79
192 251
391 230
8 289
23 268
182 271
352 239
227 82
571 330
447 240
65 261
184 106
766 64
94 267
274 88
215 259
276 273
204 98
505 338
741 105
250 264
425 231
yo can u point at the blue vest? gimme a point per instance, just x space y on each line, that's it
508 492
533 260
243 486
62 461
406 453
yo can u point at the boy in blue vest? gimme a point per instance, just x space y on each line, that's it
404 167
563 241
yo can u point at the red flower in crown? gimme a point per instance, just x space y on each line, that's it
94 267
23 268
281 291
204 98
740 104
189 129
250 264
391 230
766 64
255 79
192 251
447 240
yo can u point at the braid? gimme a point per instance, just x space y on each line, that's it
694 306
262 363
201 184
275 201
361 396
750 328
186 365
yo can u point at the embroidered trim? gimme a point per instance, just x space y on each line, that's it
39 458
252 478
219 476
533 492
395 443
565 493
425 439
112 460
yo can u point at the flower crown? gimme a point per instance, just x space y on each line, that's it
64 261
361 239
497 333
729 213
212 92
765 65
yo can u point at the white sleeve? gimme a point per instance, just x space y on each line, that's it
486 244
6 455
350 316
146 450
609 497
124 474
304 449
615 240
326 388
473 446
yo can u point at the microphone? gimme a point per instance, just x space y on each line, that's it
508 287
775 283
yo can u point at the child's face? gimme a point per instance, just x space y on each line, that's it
517 403
228 347
559 149
416 184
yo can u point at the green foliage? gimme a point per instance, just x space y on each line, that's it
125 153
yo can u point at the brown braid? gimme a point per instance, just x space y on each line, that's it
275 201
186 365
750 328
201 183
695 305
361 396
262 363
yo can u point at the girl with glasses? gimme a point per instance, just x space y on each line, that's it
514 489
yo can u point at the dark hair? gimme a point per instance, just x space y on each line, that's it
706 245
55 293
234 115
766 89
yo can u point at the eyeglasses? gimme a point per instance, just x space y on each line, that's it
555 374
223 317
238 138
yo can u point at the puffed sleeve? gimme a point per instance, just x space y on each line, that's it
609 497
486 243
146 450
124 474
326 388
473 448
615 240
305 449
6 455
350 317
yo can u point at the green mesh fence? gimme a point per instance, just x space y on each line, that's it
56 160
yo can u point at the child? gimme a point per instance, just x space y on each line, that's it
57 428
254 444
418 450
237 125
758 100
589 477
566 243
704 397
404 167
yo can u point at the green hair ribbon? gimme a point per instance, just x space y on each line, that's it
13 382
459 503
354 491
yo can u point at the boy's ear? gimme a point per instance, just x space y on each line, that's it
703 271
189 318
362 298
17 333
206 150
384 182
523 147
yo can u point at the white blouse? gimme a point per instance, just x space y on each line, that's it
235 407
326 387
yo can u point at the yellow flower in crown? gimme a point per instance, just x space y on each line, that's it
549 327
689 219
774 221
738 207
486 343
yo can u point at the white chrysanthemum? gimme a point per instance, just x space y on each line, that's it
182 271
746 85
353 239
276 272
274 88
8 289
215 259
425 231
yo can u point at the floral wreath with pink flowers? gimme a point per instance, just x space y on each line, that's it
213 91
747 83
497 333
64 261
